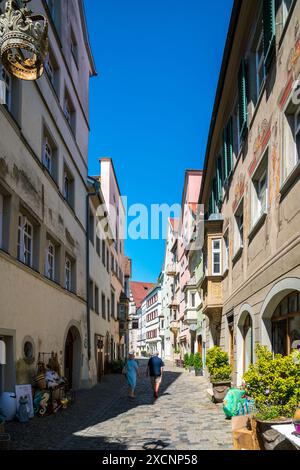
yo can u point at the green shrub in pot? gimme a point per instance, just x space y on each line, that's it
198 363
186 361
274 384
191 360
221 374
217 363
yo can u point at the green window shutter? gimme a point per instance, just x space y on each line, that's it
219 179
230 146
225 161
269 31
243 104
215 196
212 201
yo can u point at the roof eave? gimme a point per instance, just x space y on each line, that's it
225 62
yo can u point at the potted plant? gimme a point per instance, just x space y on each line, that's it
198 365
191 362
274 384
217 362
186 361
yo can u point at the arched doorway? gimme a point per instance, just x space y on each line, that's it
72 358
286 324
245 342
280 316
199 345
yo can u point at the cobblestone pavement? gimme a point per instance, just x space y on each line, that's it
104 418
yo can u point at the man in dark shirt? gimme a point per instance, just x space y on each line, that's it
155 370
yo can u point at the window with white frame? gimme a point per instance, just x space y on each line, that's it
226 251
259 200
6 78
52 71
50 261
239 228
193 299
69 111
25 241
216 257
291 139
68 187
47 155
68 273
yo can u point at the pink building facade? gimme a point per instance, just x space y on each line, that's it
190 197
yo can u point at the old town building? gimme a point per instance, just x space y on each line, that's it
154 341
112 301
251 282
43 185
187 296
138 292
169 284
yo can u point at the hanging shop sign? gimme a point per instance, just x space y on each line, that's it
23 40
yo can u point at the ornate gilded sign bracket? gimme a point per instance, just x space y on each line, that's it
23 40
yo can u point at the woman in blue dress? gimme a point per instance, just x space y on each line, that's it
132 371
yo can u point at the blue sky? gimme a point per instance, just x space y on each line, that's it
158 63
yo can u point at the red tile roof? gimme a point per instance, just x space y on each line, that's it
139 291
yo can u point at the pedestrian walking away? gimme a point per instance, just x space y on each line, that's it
155 371
132 371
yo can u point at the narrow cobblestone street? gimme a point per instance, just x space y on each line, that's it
104 418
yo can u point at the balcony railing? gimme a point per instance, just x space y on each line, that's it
212 293
190 316
174 302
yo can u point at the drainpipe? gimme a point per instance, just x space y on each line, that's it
88 302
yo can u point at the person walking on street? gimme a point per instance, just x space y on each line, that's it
132 371
155 370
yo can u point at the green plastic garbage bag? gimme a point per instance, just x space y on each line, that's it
234 402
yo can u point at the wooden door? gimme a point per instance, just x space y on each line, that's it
199 345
